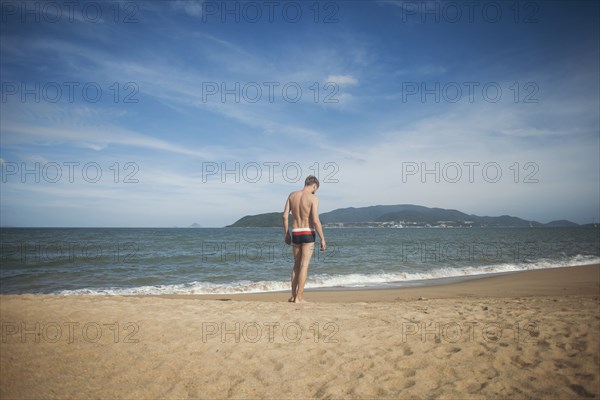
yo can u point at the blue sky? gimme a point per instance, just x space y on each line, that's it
139 113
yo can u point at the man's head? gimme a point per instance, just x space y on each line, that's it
313 182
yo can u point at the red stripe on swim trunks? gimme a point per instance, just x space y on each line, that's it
300 233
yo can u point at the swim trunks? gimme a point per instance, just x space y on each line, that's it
303 235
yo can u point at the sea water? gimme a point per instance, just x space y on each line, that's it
134 261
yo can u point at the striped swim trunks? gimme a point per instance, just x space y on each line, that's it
303 235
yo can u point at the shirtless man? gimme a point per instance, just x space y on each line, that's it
304 206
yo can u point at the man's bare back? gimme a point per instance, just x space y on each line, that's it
304 206
301 204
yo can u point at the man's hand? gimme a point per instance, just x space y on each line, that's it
287 239
323 245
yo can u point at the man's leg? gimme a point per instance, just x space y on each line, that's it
306 253
295 271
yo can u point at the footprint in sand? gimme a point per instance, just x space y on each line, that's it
581 391
278 366
524 364
410 373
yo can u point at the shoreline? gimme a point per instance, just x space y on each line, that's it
575 280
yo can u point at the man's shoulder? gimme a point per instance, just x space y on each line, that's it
293 196
312 199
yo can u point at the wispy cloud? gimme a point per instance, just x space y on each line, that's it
342 80
93 138
193 8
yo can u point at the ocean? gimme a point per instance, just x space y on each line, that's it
144 261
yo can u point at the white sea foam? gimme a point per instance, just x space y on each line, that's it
333 281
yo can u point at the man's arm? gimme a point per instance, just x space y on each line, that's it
314 217
286 213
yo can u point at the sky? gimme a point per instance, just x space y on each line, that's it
161 114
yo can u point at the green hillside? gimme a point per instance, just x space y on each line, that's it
258 221
408 213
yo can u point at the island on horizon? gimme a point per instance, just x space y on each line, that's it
403 216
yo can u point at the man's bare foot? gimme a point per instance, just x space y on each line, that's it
291 299
300 301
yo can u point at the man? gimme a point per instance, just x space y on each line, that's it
304 206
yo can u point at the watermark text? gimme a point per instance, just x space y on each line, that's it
68 332
268 171
469 171
269 332
52 12
251 12
70 92
67 172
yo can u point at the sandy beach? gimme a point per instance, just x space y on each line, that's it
533 334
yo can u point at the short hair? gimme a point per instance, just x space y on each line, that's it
311 179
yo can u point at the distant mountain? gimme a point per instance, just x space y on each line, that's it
410 213
424 214
507 221
364 214
258 221
561 223
417 214
194 225
404 213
